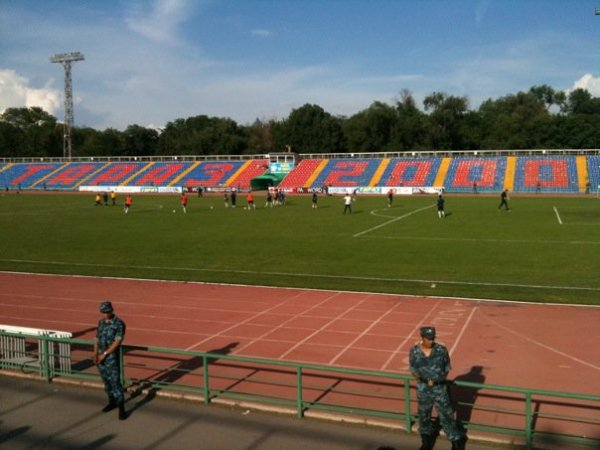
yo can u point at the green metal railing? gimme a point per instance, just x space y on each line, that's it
306 387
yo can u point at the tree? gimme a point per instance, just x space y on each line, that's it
580 101
139 141
412 124
35 132
260 137
514 122
446 120
99 143
202 135
371 130
548 96
309 129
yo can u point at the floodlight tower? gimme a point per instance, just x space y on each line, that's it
66 59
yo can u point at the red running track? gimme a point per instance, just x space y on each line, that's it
549 347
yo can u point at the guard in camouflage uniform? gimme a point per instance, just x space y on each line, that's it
430 364
109 337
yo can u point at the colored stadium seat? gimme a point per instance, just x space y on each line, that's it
548 173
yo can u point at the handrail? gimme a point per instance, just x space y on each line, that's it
309 386
397 154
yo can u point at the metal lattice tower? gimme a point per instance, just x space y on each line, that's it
66 59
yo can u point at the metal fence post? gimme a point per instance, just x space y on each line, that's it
408 417
299 401
45 361
528 421
121 365
206 384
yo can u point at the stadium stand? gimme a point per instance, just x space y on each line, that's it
303 175
67 176
158 174
210 173
546 174
410 172
567 173
487 172
113 174
26 175
251 169
593 173
347 172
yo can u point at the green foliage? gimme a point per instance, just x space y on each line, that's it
310 129
371 130
26 132
477 251
539 118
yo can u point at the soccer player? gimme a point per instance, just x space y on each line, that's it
440 206
184 201
128 203
504 199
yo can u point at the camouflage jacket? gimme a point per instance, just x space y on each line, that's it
433 367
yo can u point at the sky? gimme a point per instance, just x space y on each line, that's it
152 62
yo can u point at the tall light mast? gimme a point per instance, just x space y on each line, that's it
66 59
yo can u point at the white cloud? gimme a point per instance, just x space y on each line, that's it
262 33
160 21
15 92
589 83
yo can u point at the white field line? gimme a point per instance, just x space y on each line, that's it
557 215
153 280
305 275
502 241
392 220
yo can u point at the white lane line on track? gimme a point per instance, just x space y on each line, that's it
408 336
462 331
322 328
237 324
392 221
364 332
540 344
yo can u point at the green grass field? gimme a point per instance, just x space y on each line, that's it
544 249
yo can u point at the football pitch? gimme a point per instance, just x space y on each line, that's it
545 249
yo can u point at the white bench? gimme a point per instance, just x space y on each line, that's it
13 351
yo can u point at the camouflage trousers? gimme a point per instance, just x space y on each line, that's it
437 396
111 377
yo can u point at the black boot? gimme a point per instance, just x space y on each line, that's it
122 412
459 444
110 406
426 443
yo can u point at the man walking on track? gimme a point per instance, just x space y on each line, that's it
109 337
429 363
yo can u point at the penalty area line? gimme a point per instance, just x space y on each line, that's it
392 221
